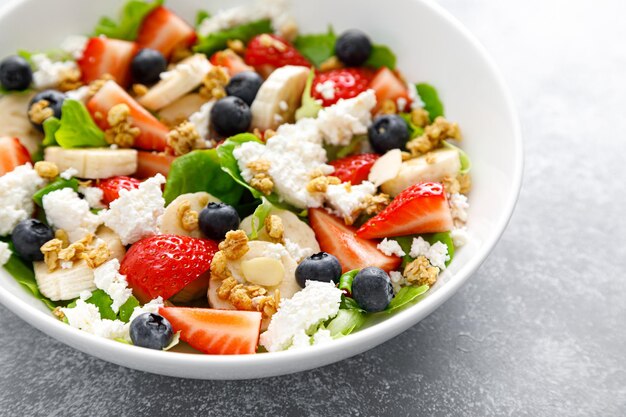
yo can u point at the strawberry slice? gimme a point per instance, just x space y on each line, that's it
352 251
164 31
231 61
217 332
151 163
345 83
153 134
421 208
389 87
163 265
111 187
12 154
107 56
354 169
272 51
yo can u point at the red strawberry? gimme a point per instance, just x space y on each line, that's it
151 163
163 30
231 61
153 134
421 208
340 240
389 87
111 187
271 50
163 265
354 169
346 83
12 154
107 56
217 332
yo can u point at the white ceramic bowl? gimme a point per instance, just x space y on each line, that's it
431 46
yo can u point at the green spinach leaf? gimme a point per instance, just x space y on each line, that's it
381 56
57 184
317 48
429 96
405 296
77 129
130 19
216 41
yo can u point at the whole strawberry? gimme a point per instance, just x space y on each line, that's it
163 265
111 187
272 51
344 83
354 169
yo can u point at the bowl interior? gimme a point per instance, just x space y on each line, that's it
431 47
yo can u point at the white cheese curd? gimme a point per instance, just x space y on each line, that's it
108 279
135 214
74 45
48 73
317 302
397 281
297 252
326 89
83 316
5 253
150 307
460 236
275 251
93 196
346 200
390 247
66 210
275 10
436 254
80 94
415 99
201 119
341 121
69 173
458 207
16 196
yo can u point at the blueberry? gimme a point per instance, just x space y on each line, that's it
353 48
151 331
319 267
55 101
388 132
245 85
217 219
147 65
15 73
28 238
230 115
371 289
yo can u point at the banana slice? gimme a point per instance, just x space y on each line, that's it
441 163
279 97
386 167
184 78
67 284
180 110
170 221
14 120
94 163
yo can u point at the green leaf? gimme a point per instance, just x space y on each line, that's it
310 107
130 19
229 162
405 296
50 127
126 309
317 48
381 56
103 301
348 303
414 130
119 339
259 216
57 184
443 237
466 163
345 280
405 243
78 129
429 96
216 41
200 16
351 148
345 322
201 171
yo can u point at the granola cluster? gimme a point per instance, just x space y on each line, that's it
421 272
419 117
332 63
261 179
235 245
214 83
237 46
462 184
434 133
374 204
96 85
183 138
275 228
319 184
40 111
58 251
187 217
70 80
121 132
47 170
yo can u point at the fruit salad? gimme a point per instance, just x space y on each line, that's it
229 183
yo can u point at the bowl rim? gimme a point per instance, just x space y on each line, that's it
391 326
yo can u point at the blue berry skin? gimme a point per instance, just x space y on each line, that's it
217 219
388 132
28 237
147 65
15 73
151 331
55 101
319 267
230 116
244 85
372 289
353 48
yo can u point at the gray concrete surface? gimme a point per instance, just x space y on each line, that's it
538 331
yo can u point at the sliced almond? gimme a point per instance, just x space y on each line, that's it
386 167
264 271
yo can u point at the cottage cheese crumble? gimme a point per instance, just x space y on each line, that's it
458 207
93 196
50 73
390 247
436 254
202 119
69 173
66 210
347 200
108 279
16 191
326 89
5 253
341 121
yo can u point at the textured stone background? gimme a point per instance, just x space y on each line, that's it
538 331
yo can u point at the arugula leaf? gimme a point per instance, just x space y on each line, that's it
381 56
429 96
50 127
466 163
103 301
317 48
405 296
259 216
345 280
130 19
57 184
414 130
216 41
78 129
200 16
345 322
310 107
200 170
126 309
